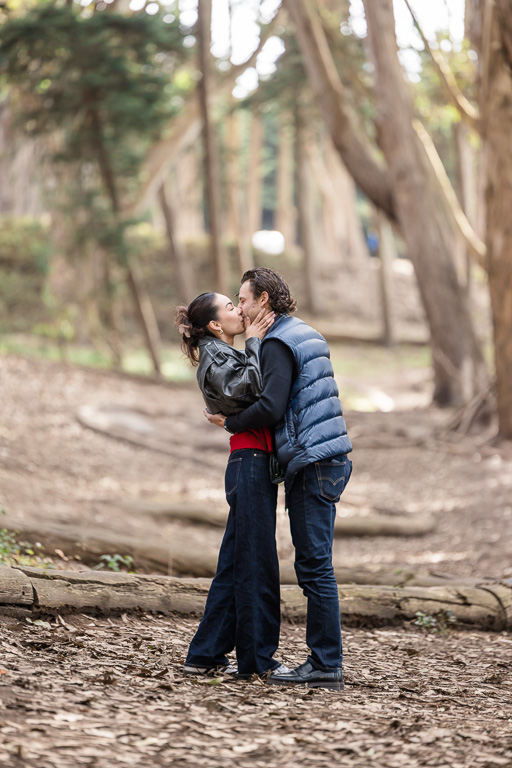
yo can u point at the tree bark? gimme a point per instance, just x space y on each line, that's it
353 525
387 253
179 263
237 197
211 159
484 606
497 130
142 302
254 174
145 313
350 236
306 216
458 362
286 214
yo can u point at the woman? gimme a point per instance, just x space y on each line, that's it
242 610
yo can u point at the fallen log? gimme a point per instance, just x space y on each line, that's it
183 554
392 577
349 525
15 587
384 525
486 606
178 554
158 432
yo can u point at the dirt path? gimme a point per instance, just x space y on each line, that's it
109 692
53 468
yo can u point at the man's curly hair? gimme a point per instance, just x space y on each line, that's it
265 279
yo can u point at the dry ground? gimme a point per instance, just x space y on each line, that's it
102 692
109 692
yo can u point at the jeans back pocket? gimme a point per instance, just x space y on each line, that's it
332 477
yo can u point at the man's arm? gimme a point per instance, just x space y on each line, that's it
278 369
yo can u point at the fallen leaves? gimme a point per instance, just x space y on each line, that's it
111 692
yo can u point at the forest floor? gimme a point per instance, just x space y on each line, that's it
92 691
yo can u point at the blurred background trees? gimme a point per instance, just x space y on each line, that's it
141 164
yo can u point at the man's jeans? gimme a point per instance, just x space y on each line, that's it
310 501
243 605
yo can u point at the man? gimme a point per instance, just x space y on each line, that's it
300 399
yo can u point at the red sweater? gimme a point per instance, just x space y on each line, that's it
252 438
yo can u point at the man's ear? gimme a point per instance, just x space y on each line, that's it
264 299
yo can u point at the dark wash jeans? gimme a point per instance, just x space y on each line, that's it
311 501
243 605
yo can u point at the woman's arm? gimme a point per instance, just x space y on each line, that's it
237 377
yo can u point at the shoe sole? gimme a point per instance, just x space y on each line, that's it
217 671
331 686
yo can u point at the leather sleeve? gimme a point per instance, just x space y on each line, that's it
234 379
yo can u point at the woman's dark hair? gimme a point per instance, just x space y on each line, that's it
265 279
192 323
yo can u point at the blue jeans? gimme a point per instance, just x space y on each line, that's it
311 500
243 605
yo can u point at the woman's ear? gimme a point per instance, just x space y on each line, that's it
214 326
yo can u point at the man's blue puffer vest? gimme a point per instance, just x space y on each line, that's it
313 427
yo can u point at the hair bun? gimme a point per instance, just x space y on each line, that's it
184 330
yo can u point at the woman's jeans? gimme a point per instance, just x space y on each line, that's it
311 501
243 605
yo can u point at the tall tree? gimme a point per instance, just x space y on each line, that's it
211 152
458 362
403 190
494 22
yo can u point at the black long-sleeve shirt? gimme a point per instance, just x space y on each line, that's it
278 372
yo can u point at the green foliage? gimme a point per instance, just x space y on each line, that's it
114 562
25 249
100 79
14 552
101 85
24 245
439 622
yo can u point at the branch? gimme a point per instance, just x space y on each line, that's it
467 111
348 137
476 245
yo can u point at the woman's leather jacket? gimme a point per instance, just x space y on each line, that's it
229 378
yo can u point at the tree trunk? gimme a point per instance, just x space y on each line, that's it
467 179
188 177
306 216
254 174
350 234
497 130
347 135
236 195
142 302
114 337
387 254
286 214
179 262
458 362
145 313
211 159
